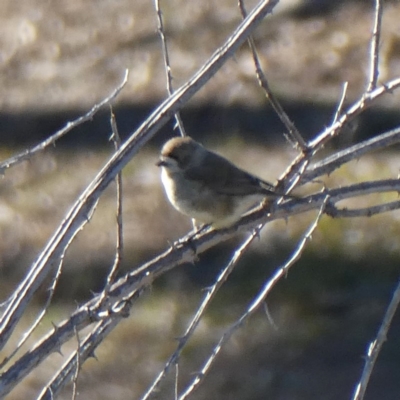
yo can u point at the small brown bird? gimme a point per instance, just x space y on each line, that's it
206 186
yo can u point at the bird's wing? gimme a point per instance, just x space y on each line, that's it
223 177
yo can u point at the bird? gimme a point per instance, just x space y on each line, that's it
207 187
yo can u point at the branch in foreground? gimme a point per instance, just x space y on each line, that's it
85 350
167 65
294 172
376 346
211 292
295 135
82 208
27 154
139 279
374 50
255 304
339 108
40 315
119 234
334 212
353 111
202 242
333 162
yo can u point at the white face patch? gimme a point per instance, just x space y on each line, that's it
168 183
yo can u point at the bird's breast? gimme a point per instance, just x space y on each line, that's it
202 203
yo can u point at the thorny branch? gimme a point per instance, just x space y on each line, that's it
106 310
80 211
210 294
294 134
376 345
27 154
135 282
254 306
119 237
167 65
374 50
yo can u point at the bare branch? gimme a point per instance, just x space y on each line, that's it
292 172
85 350
77 369
120 236
255 305
104 311
135 282
376 345
167 65
294 134
363 212
354 110
40 316
82 208
210 294
27 154
374 49
341 102
176 381
333 162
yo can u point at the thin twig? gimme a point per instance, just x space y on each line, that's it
167 65
39 317
176 381
45 308
335 161
353 111
374 49
332 131
120 235
136 281
168 73
254 305
210 294
341 103
364 212
295 135
376 345
78 212
27 154
85 350
77 368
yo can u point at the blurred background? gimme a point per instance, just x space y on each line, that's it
58 58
